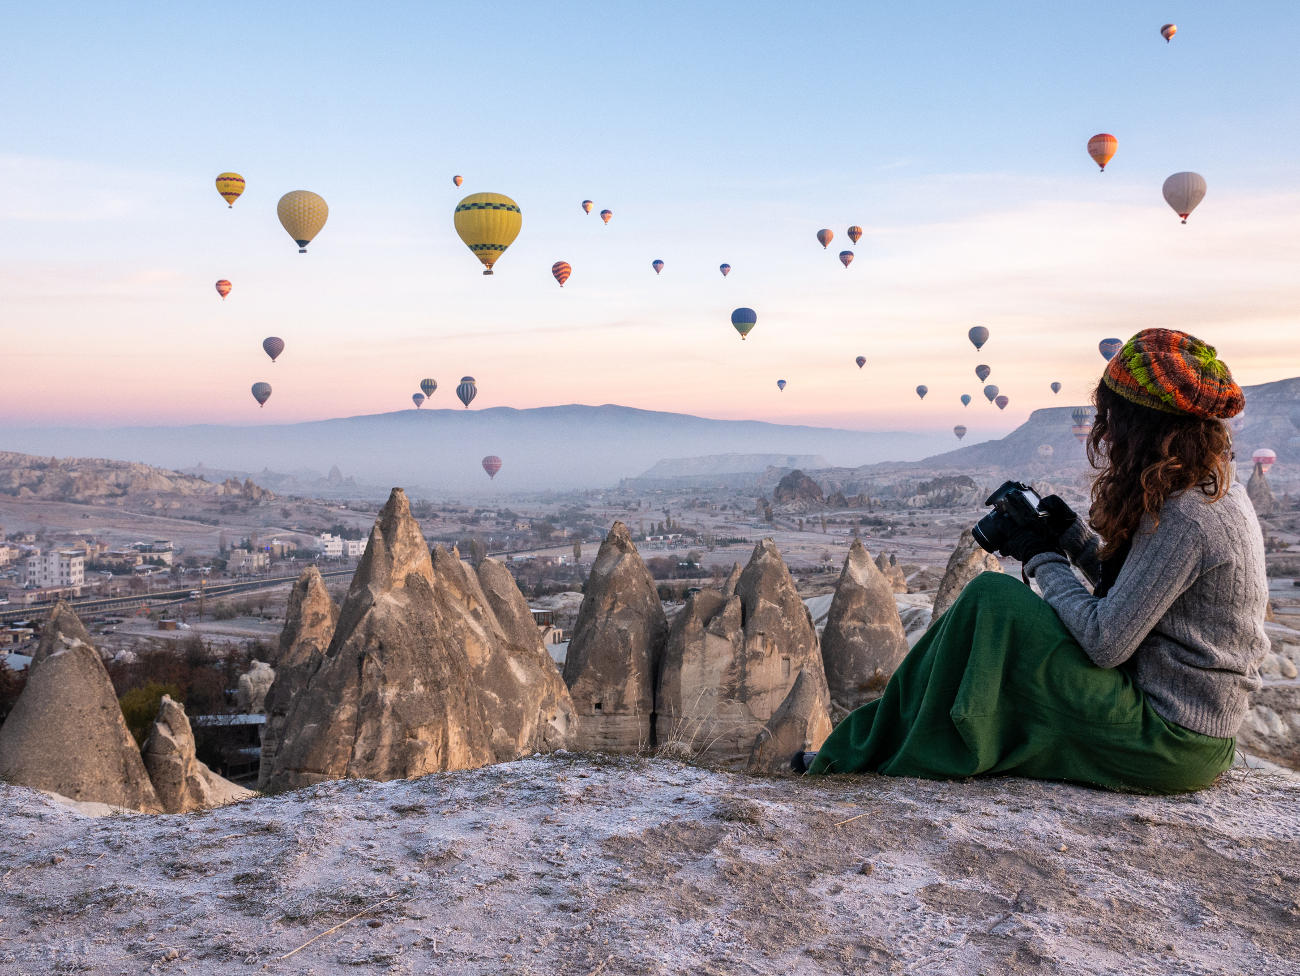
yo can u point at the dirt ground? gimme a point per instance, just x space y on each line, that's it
588 865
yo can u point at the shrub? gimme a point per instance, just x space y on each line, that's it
140 707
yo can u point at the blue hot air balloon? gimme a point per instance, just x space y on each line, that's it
657 264
965 399
921 391
467 390
1109 347
990 393
780 384
743 319
428 385
418 400
978 335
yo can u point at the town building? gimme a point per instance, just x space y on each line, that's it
62 568
243 562
336 547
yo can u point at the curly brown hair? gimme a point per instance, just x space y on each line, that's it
1144 456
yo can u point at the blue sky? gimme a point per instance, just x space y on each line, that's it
954 135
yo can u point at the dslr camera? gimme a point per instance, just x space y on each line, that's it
1015 506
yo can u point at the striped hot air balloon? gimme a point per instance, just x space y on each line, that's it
230 186
825 236
1101 148
418 400
261 393
846 258
743 319
605 215
960 431
725 269
273 346
1082 417
491 464
586 206
467 390
780 385
657 264
1264 458
223 288
302 214
1167 31
1109 347
861 361
855 233
428 385
488 223
561 270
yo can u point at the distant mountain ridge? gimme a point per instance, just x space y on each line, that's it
543 448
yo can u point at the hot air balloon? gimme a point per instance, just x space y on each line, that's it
960 431
1167 31
725 269
921 391
1082 417
978 335
261 393
1046 450
223 288
273 346
1056 387
303 214
605 215
428 385
1183 191
825 236
488 223
467 390
780 384
1101 148
1264 459
561 270
230 186
990 393
1109 347
418 400
742 320
491 464
458 180
965 399
586 206
657 264
1002 401
982 372
846 258
855 233
861 361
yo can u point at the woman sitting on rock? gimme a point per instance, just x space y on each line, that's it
1139 685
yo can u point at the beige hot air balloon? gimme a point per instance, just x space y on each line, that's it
302 213
1183 191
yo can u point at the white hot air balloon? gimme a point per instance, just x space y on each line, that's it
1183 191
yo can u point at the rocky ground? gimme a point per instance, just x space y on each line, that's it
588 865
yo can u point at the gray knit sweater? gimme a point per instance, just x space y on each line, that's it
1188 607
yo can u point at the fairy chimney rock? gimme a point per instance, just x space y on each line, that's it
1259 492
308 626
731 661
251 692
888 566
614 652
800 724
729 585
183 784
66 733
395 696
863 641
967 561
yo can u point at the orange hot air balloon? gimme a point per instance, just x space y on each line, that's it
561 270
223 288
586 206
855 233
825 236
1168 31
605 215
458 180
1101 148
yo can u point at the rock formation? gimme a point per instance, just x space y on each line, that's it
863 641
1259 492
731 661
888 565
967 561
800 724
250 694
308 626
394 696
729 584
181 782
66 733
614 652
796 491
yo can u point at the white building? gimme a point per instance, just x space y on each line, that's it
59 568
354 548
242 562
331 546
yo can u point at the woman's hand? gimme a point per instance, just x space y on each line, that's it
1060 516
1028 541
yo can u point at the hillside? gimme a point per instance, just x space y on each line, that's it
430 450
100 481
622 867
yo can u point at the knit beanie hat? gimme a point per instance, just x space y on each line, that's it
1175 373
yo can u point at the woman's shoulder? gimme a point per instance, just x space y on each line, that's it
1194 504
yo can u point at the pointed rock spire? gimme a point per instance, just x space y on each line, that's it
395 695
66 733
863 641
888 565
800 724
729 585
614 653
967 561
182 782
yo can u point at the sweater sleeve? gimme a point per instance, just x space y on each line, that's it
1160 566
1081 544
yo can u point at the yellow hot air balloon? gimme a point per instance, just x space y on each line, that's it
230 186
302 213
488 223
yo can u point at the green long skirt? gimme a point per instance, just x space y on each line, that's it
998 686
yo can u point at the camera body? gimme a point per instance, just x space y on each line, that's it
1015 505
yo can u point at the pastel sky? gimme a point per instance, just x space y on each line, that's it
953 133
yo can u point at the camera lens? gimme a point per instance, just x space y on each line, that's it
991 531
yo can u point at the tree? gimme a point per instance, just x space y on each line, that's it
577 550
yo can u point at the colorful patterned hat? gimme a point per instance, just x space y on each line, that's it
1176 373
